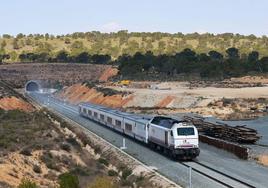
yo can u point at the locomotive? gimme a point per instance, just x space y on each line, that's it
175 137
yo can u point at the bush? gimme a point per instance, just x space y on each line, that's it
81 171
26 151
37 169
49 161
102 182
25 183
103 161
97 149
68 180
112 173
65 147
126 172
72 141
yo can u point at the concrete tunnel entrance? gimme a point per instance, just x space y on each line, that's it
32 86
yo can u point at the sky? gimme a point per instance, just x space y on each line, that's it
187 16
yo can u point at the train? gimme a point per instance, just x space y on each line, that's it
175 137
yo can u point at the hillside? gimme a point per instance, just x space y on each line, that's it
38 148
122 42
10 100
54 74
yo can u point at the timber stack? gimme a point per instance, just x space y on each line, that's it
238 134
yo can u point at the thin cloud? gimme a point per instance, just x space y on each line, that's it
111 27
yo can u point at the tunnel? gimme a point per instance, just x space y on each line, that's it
32 86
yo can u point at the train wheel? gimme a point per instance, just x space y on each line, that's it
171 155
151 145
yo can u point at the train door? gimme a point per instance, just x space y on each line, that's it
166 137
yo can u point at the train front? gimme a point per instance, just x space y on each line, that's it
186 142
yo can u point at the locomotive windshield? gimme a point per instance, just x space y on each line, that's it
185 131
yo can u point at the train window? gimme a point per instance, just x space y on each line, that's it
117 123
185 131
171 133
89 112
164 121
128 127
95 114
102 117
85 110
110 120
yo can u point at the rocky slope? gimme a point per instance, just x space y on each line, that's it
54 73
174 97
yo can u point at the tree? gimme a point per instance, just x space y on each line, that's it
203 57
263 64
62 56
46 36
215 55
100 59
253 56
233 53
4 56
20 36
82 57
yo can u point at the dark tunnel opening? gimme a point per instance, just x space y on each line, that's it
32 86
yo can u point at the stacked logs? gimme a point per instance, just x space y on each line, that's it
238 134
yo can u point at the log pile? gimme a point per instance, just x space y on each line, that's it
238 134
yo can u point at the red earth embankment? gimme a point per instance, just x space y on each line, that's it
14 103
81 93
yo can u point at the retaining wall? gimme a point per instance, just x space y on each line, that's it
240 151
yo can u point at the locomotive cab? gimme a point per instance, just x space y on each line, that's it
185 139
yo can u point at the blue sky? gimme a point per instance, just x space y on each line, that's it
187 16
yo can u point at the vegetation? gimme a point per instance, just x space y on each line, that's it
188 62
103 161
68 180
47 47
139 54
103 182
25 183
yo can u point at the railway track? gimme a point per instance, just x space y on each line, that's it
217 176
201 171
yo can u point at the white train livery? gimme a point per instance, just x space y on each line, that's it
174 137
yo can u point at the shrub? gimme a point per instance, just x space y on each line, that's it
65 147
103 161
140 178
126 183
72 141
112 173
81 171
126 172
102 182
25 183
26 151
37 169
68 180
49 161
97 149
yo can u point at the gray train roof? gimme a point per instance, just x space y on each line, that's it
134 117
166 122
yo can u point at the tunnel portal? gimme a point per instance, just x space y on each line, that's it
32 86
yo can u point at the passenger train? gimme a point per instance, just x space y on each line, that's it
175 137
